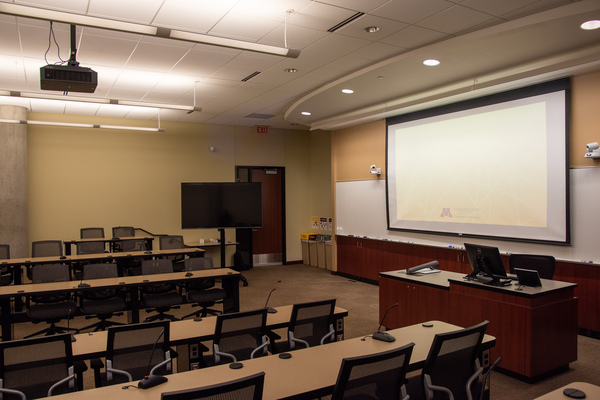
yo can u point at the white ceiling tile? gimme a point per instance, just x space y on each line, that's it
72 107
413 37
155 57
497 8
204 61
275 10
357 28
10 37
14 101
320 16
45 106
411 11
298 37
357 5
454 19
377 51
103 50
74 6
191 15
139 11
238 26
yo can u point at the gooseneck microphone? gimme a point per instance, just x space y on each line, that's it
384 336
152 380
81 284
270 310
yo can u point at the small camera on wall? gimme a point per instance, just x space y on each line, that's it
593 150
374 170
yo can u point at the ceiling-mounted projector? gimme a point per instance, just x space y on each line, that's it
68 78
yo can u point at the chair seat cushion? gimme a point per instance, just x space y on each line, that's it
162 300
206 296
49 311
104 306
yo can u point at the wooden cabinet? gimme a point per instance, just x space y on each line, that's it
535 330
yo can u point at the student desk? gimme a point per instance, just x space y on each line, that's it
536 327
110 241
310 373
189 331
230 282
120 257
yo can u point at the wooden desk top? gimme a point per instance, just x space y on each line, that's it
591 391
93 344
107 240
98 257
444 279
38 288
209 244
311 371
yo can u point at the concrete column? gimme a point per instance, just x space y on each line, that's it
13 181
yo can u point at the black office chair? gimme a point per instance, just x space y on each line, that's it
101 303
173 242
452 369
247 388
51 308
91 247
202 292
134 351
6 273
311 324
239 336
544 265
159 297
378 376
38 367
45 248
121 232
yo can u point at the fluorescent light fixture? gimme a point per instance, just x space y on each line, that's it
431 63
103 23
347 91
97 100
305 113
78 125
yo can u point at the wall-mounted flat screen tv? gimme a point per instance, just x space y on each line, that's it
221 205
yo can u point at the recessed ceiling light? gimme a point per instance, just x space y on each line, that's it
380 77
291 70
305 113
347 91
371 29
431 63
591 25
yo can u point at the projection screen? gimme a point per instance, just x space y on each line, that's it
495 166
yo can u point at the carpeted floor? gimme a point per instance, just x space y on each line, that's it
299 283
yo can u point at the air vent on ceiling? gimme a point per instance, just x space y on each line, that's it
252 75
259 116
345 22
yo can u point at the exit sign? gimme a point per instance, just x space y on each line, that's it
262 129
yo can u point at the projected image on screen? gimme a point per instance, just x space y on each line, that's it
497 169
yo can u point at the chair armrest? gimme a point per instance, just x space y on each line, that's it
218 354
97 365
262 347
174 354
430 388
160 365
293 341
329 334
15 392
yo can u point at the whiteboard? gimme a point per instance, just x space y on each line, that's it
361 211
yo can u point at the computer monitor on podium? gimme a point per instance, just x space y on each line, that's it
486 260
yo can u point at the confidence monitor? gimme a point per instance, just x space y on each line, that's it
486 260
221 205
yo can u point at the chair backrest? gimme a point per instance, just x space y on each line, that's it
44 273
46 248
198 263
170 242
247 388
123 231
311 321
374 376
240 333
451 360
544 265
4 251
32 366
136 348
91 233
99 271
133 245
161 266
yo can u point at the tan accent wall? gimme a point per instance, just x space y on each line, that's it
91 177
585 118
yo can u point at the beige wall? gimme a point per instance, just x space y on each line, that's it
90 177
